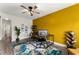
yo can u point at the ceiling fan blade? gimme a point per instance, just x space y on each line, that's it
23 12
24 7
37 12
35 7
31 13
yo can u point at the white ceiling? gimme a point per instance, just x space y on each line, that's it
43 8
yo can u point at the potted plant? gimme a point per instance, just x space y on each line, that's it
17 33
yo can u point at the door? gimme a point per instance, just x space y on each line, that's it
6 30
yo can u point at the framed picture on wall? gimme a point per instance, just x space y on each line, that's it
22 27
26 29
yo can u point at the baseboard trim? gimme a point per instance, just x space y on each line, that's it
59 44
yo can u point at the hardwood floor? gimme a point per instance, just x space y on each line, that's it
5 48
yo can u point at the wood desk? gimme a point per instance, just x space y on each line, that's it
73 51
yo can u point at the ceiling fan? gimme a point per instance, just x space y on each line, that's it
30 9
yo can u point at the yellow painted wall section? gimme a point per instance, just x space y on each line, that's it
59 22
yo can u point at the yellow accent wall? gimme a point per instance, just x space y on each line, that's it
59 22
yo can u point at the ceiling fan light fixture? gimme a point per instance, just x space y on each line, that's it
35 7
30 9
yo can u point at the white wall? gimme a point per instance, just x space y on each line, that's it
17 21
